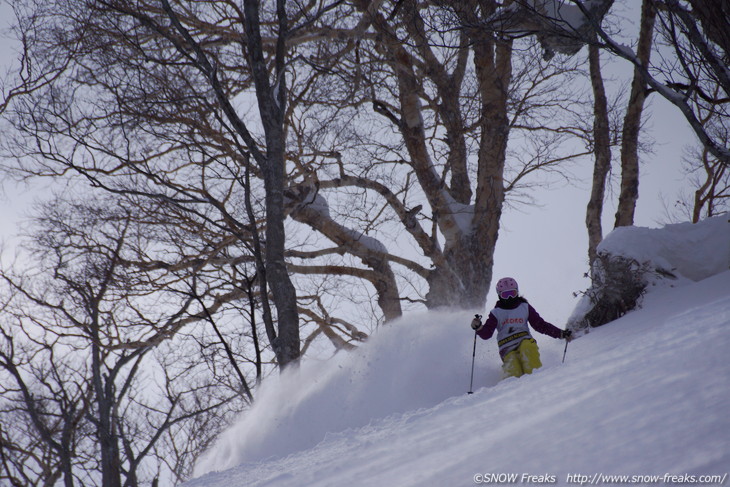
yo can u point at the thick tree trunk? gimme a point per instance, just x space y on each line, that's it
452 275
470 254
465 282
494 72
632 123
602 152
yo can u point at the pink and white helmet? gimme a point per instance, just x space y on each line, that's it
507 288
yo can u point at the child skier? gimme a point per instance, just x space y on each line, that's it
510 318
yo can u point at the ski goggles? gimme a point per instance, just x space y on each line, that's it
510 293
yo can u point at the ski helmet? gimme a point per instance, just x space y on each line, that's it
507 288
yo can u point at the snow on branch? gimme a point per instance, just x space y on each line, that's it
560 26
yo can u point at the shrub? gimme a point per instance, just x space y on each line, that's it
617 286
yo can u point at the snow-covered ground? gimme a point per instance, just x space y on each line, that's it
646 395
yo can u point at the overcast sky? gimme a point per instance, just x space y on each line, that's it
543 247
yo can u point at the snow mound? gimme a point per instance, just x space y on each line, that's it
694 251
634 261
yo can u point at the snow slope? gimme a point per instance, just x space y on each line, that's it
645 395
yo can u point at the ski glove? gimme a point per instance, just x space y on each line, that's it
476 323
566 334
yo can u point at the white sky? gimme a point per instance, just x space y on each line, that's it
543 247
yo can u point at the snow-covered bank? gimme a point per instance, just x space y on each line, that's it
633 261
691 251
645 395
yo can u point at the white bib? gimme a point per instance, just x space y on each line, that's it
512 327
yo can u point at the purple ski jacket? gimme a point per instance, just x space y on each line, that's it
534 319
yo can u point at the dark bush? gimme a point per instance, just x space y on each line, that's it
618 283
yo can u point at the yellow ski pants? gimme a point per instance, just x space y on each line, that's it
522 360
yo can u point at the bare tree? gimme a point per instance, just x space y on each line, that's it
98 405
695 30
428 154
121 42
694 78
270 91
710 178
396 125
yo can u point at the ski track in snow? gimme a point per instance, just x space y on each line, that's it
647 394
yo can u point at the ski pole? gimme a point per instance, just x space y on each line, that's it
473 356
566 349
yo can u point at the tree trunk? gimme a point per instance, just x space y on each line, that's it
470 254
272 107
494 71
632 123
287 344
602 152
110 467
